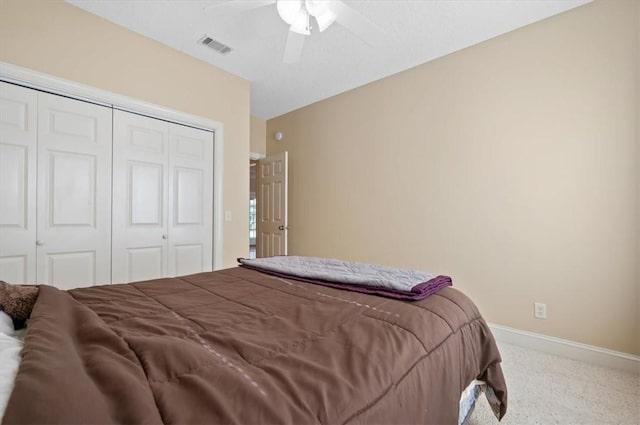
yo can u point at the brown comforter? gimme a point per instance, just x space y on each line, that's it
239 346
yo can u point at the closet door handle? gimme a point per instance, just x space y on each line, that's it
164 236
39 243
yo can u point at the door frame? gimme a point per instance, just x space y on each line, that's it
48 83
256 156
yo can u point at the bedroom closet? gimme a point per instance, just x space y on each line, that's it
91 195
162 198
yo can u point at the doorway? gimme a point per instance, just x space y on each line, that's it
268 177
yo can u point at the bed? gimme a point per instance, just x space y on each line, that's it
245 346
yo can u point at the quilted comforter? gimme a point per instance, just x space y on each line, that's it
367 278
240 346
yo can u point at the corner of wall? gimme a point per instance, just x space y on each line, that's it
258 135
638 166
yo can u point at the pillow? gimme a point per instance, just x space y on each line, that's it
17 300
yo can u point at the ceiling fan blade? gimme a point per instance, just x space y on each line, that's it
293 48
358 24
235 6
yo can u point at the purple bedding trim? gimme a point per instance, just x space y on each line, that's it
418 292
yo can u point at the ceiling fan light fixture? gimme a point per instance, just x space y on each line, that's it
316 7
290 10
321 11
301 24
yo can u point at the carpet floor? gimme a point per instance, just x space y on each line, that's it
547 389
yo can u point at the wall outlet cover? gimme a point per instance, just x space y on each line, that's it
540 310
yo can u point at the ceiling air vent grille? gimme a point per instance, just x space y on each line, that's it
215 45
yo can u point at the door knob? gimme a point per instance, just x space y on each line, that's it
39 243
281 227
164 236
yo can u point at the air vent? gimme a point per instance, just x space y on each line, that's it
215 45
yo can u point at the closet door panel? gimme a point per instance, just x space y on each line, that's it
145 184
191 200
140 193
74 192
18 155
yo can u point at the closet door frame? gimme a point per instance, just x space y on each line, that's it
31 79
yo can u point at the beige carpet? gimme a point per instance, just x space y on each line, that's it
546 389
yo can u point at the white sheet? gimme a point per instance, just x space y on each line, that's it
11 342
6 324
469 398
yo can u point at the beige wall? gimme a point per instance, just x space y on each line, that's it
258 139
510 165
59 39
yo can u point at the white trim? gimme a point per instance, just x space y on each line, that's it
218 223
26 77
254 156
565 348
36 80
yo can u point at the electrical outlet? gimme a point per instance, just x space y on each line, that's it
540 310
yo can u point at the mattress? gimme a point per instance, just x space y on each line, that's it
240 346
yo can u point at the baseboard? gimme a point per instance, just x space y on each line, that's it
565 348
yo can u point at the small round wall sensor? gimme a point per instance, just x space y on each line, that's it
279 136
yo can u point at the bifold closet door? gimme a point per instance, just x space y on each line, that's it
140 193
162 199
55 189
18 153
74 192
191 200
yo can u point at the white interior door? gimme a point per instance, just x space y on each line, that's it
140 194
74 192
272 205
18 150
191 200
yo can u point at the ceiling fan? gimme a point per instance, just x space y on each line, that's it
305 16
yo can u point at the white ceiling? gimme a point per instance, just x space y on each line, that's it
333 61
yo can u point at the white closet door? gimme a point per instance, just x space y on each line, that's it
74 192
191 200
18 149
140 194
